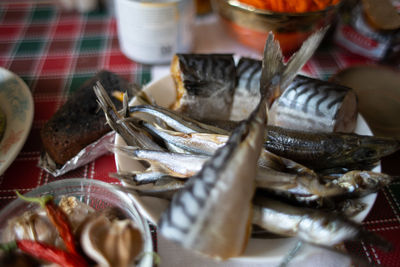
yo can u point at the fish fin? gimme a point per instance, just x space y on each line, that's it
131 134
300 58
276 75
272 69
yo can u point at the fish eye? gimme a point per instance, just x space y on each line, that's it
370 153
365 153
372 181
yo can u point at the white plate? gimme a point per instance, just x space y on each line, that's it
266 250
17 104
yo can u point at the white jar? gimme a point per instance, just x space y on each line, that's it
151 32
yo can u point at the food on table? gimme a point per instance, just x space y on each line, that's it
123 127
330 150
205 84
167 172
111 242
209 213
195 217
294 6
58 233
313 226
78 122
306 104
3 121
314 105
197 143
173 164
175 120
325 152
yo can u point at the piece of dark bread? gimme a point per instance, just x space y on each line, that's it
80 121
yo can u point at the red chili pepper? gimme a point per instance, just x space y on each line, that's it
52 254
58 217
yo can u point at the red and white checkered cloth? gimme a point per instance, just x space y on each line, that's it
55 51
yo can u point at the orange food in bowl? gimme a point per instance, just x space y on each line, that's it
289 41
250 25
292 6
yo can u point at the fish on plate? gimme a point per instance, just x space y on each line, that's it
313 226
195 217
306 104
212 213
322 151
287 180
315 105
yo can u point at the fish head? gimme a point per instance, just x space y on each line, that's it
364 180
377 147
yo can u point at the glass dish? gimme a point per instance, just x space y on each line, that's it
97 194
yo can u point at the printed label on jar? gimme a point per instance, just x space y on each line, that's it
152 32
360 38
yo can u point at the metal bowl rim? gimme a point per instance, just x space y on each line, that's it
264 12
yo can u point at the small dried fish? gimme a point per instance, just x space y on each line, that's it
176 121
361 183
290 181
132 135
321 151
140 178
313 226
197 143
173 164
164 187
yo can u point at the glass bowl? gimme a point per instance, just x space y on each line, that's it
96 194
250 26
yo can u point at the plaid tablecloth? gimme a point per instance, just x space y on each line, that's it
55 51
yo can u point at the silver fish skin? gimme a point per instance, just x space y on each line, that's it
173 164
313 226
164 187
177 121
290 180
313 105
131 134
139 177
197 143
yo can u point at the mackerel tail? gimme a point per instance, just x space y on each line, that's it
276 72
